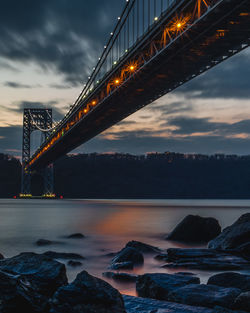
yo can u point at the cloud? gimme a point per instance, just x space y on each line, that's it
18 85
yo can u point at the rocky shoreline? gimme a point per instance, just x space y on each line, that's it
37 283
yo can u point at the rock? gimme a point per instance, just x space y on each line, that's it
204 259
204 295
233 236
128 255
74 263
242 302
161 257
219 309
63 255
142 305
121 276
43 273
76 236
244 250
194 228
230 279
158 286
142 247
18 295
122 265
43 242
87 294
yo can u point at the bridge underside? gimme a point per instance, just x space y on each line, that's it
221 33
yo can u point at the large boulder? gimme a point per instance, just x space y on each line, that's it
194 228
87 294
17 294
230 279
142 305
204 295
44 274
158 286
128 254
242 302
233 236
142 247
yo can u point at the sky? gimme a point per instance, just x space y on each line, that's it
47 50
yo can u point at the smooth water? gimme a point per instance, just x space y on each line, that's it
108 226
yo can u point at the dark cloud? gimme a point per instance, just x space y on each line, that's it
19 85
171 108
61 35
59 86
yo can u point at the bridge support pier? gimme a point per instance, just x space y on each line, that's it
36 119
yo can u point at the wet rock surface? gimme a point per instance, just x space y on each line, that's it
242 302
233 236
87 294
63 255
76 236
44 274
127 254
204 259
125 277
158 286
205 295
142 305
231 279
194 228
142 247
122 266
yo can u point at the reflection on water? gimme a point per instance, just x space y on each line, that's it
108 226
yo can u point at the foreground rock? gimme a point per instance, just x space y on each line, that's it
87 294
120 276
63 255
205 295
230 279
127 255
158 286
142 305
242 302
194 228
76 236
233 236
204 259
42 273
122 266
17 294
142 247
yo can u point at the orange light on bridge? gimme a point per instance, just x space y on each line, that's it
85 110
93 102
117 81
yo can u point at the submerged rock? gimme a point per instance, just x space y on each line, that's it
63 255
158 286
87 294
142 247
205 295
44 274
122 265
142 305
128 254
74 263
204 259
121 276
194 228
231 279
76 236
242 302
233 236
46 242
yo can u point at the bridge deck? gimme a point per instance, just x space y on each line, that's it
220 33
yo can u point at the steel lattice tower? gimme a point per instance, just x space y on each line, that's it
36 119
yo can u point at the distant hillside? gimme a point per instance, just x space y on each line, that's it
167 175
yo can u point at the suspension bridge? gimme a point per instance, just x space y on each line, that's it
155 47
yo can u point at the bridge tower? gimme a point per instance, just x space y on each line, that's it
36 119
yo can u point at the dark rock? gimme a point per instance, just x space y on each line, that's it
87 294
161 257
204 295
204 259
230 279
121 276
234 235
76 236
128 255
43 242
186 273
158 286
43 273
219 309
122 265
18 295
242 302
63 255
194 228
142 247
142 305
244 250
74 263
